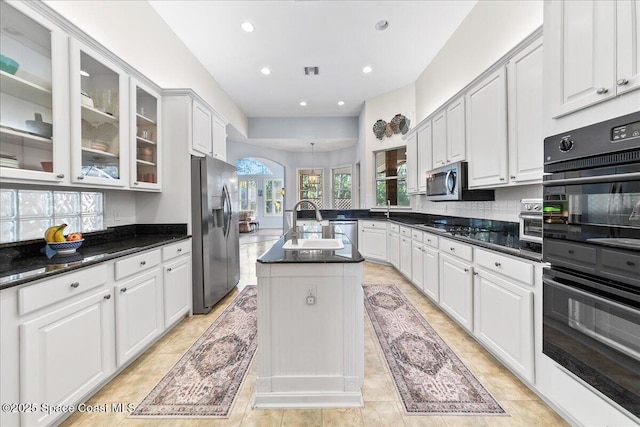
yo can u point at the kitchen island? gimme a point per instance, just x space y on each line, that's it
310 324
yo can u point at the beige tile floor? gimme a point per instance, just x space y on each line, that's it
382 405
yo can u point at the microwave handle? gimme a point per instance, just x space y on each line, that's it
446 181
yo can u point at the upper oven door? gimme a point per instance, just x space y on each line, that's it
601 209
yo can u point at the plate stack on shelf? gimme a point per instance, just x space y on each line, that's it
8 160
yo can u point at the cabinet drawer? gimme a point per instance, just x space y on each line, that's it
373 224
137 263
513 268
394 227
50 291
430 240
175 250
405 231
416 235
458 249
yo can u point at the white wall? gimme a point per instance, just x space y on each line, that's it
303 127
383 107
135 32
489 31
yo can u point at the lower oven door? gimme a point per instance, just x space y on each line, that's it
594 335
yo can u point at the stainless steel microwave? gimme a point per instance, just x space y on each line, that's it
449 183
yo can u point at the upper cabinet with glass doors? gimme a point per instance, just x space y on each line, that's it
33 135
99 119
145 130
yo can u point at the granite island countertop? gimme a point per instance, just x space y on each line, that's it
349 254
24 262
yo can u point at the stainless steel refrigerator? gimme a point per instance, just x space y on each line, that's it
216 247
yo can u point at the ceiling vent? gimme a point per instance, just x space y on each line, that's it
311 71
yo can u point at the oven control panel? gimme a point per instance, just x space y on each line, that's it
621 133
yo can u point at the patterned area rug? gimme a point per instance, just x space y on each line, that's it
206 380
429 376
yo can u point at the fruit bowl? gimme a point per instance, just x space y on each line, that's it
66 247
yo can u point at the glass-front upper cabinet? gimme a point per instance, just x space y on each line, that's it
33 135
99 119
145 131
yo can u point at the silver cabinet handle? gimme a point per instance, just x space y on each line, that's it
60 176
135 183
466 270
512 177
429 240
81 177
475 273
107 296
168 269
143 262
497 264
452 249
123 290
179 250
622 82
501 179
602 90
75 285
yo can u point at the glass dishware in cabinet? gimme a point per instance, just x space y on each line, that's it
99 102
146 153
31 67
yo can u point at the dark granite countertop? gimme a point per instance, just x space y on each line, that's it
278 255
23 262
500 236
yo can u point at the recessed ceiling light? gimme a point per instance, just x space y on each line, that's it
248 27
367 69
266 71
84 73
382 25
341 103
303 103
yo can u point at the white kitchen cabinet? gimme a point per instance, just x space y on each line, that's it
219 143
100 129
417 264
39 86
146 131
504 320
589 62
456 289
176 281
393 247
431 268
412 164
425 155
449 139
139 313
202 128
65 353
372 240
525 116
405 256
487 125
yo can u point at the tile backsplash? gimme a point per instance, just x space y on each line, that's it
506 207
26 214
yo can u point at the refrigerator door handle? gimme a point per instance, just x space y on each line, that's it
228 213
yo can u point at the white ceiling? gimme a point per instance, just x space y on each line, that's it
337 36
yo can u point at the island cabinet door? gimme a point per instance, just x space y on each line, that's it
65 353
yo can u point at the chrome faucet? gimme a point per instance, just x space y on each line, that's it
294 227
388 209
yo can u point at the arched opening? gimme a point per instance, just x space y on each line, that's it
261 184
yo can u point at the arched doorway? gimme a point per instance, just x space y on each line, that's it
261 184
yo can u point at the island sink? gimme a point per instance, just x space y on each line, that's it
314 244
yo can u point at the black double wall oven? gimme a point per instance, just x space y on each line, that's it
591 239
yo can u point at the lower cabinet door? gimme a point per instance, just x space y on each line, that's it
64 354
456 290
393 249
177 287
431 276
139 313
373 244
405 256
504 321
417 274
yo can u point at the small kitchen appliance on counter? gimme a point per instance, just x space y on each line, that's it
531 220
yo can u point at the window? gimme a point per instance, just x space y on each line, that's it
391 177
341 194
248 194
273 196
26 214
251 166
310 187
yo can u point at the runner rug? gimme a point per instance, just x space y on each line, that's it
206 380
429 376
